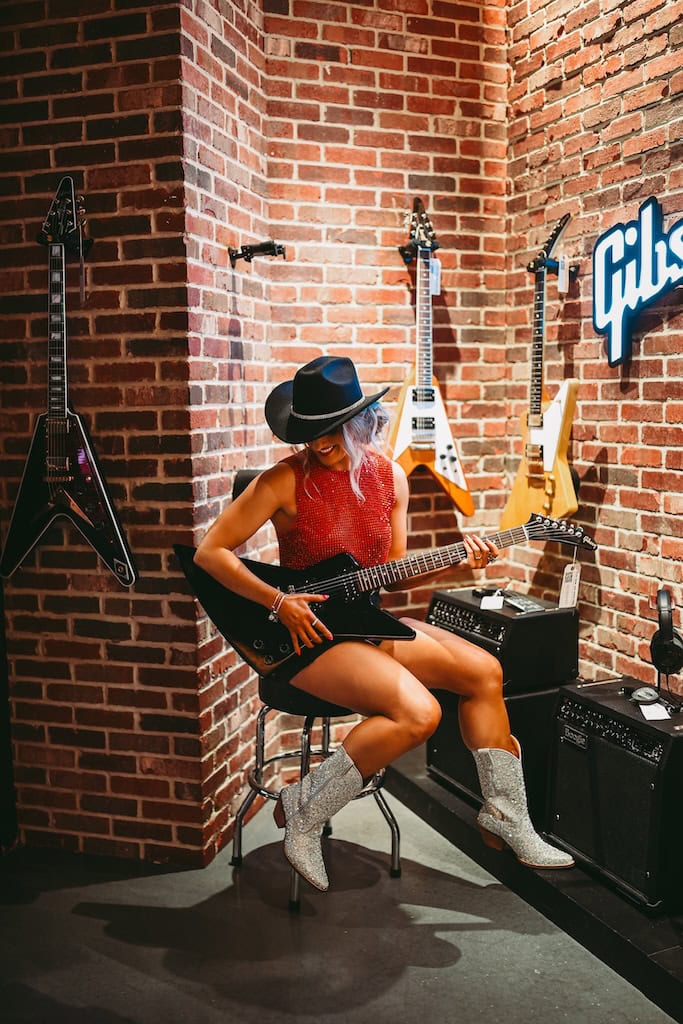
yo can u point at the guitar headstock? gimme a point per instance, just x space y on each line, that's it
550 243
539 527
65 219
422 234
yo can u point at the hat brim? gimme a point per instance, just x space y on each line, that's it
292 429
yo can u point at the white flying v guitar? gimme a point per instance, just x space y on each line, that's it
421 434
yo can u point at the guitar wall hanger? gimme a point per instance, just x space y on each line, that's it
554 266
247 252
564 271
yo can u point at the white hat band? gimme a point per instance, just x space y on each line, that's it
330 415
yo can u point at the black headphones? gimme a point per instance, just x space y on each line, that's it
666 646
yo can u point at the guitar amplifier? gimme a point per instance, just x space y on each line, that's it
614 792
537 649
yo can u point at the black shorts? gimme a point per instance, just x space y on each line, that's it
285 672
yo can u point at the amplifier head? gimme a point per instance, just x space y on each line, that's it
537 649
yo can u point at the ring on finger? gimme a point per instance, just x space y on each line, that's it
314 622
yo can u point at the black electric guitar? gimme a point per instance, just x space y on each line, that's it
544 480
421 434
61 476
350 612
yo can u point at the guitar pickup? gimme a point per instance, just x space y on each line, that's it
423 394
424 423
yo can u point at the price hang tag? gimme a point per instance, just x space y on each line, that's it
569 593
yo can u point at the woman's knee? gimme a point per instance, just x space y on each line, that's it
421 718
489 673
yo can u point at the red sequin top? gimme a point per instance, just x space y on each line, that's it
330 519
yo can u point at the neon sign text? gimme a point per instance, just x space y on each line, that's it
633 264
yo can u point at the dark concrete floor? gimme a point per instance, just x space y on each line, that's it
89 941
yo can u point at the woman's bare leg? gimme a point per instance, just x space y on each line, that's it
402 714
444 661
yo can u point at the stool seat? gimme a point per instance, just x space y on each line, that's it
292 701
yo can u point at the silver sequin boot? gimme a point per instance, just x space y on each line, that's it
305 806
504 817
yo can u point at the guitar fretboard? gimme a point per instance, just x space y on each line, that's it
56 368
424 369
536 386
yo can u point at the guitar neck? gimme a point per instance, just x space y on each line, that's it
363 581
56 362
536 389
424 368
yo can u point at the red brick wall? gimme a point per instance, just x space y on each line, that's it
595 128
107 746
198 127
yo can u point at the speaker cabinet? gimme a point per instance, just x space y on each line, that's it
614 794
536 649
531 720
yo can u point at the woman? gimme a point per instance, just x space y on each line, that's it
340 493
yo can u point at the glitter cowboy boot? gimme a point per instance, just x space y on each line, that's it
305 806
504 818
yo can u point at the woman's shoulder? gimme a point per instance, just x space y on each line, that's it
283 472
280 477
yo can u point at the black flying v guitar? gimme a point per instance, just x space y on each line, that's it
350 611
61 475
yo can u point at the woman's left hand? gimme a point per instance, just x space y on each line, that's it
480 551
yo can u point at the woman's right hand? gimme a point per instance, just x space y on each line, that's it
305 628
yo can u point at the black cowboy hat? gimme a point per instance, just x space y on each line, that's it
323 395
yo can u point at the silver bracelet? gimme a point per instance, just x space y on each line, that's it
276 605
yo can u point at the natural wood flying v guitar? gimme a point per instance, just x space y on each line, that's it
544 481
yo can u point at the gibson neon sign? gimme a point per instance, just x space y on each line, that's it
633 264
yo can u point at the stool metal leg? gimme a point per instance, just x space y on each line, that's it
395 870
236 859
255 780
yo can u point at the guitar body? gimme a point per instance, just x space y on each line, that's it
543 483
70 486
266 645
421 436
